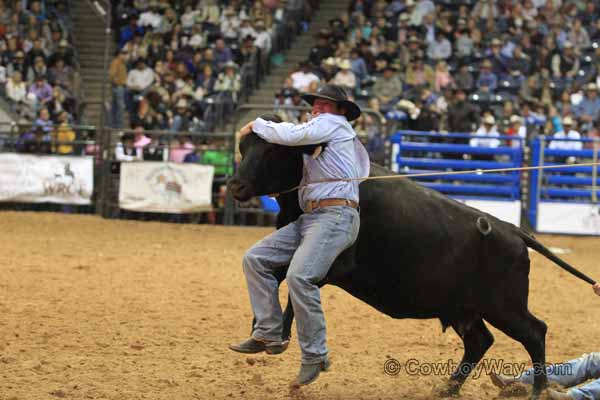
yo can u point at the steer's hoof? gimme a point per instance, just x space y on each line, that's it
447 389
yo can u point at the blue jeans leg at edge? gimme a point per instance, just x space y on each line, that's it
309 245
118 106
572 373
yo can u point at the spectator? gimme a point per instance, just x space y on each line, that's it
230 25
125 149
443 78
63 52
16 91
36 142
209 14
359 67
497 59
303 76
180 147
41 90
517 129
118 78
44 121
246 28
463 45
328 69
322 50
37 51
567 133
565 65
419 75
578 35
17 64
59 103
520 61
487 81
38 69
139 81
64 135
140 140
155 151
387 89
229 84
182 118
207 80
439 49
464 79
486 136
263 38
345 77
588 110
222 53
463 117
151 16
61 75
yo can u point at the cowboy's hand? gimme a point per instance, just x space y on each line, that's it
597 288
246 129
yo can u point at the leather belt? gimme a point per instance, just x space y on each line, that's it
312 205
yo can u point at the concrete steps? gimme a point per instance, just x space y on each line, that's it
300 50
89 31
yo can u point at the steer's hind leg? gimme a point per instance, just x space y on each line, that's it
531 333
477 339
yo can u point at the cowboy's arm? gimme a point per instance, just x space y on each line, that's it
597 288
285 133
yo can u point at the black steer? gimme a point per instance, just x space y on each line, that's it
419 254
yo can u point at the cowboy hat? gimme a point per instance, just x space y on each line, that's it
567 121
489 120
515 118
230 64
330 61
344 64
336 94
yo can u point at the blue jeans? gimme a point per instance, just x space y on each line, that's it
309 246
118 106
573 373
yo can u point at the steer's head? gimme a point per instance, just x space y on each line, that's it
265 167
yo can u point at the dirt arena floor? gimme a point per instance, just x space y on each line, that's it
99 309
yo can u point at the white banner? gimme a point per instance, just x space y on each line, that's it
46 179
579 219
166 187
509 211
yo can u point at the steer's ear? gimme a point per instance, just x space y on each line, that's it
317 151
314 149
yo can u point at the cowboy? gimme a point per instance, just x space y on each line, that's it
310 244
568 374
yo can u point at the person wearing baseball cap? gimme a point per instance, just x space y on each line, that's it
330 216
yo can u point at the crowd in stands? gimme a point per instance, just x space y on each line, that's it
38 77
37 62
489 67
181 64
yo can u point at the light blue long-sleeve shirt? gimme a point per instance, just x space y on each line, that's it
343 157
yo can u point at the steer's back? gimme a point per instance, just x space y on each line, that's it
419 253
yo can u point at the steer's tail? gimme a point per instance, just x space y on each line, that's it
530 241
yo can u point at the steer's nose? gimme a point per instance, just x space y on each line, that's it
236 186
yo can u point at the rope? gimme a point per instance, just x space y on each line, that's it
446 173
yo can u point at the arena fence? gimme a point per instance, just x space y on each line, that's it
565 200
183 184
85 176
414 152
